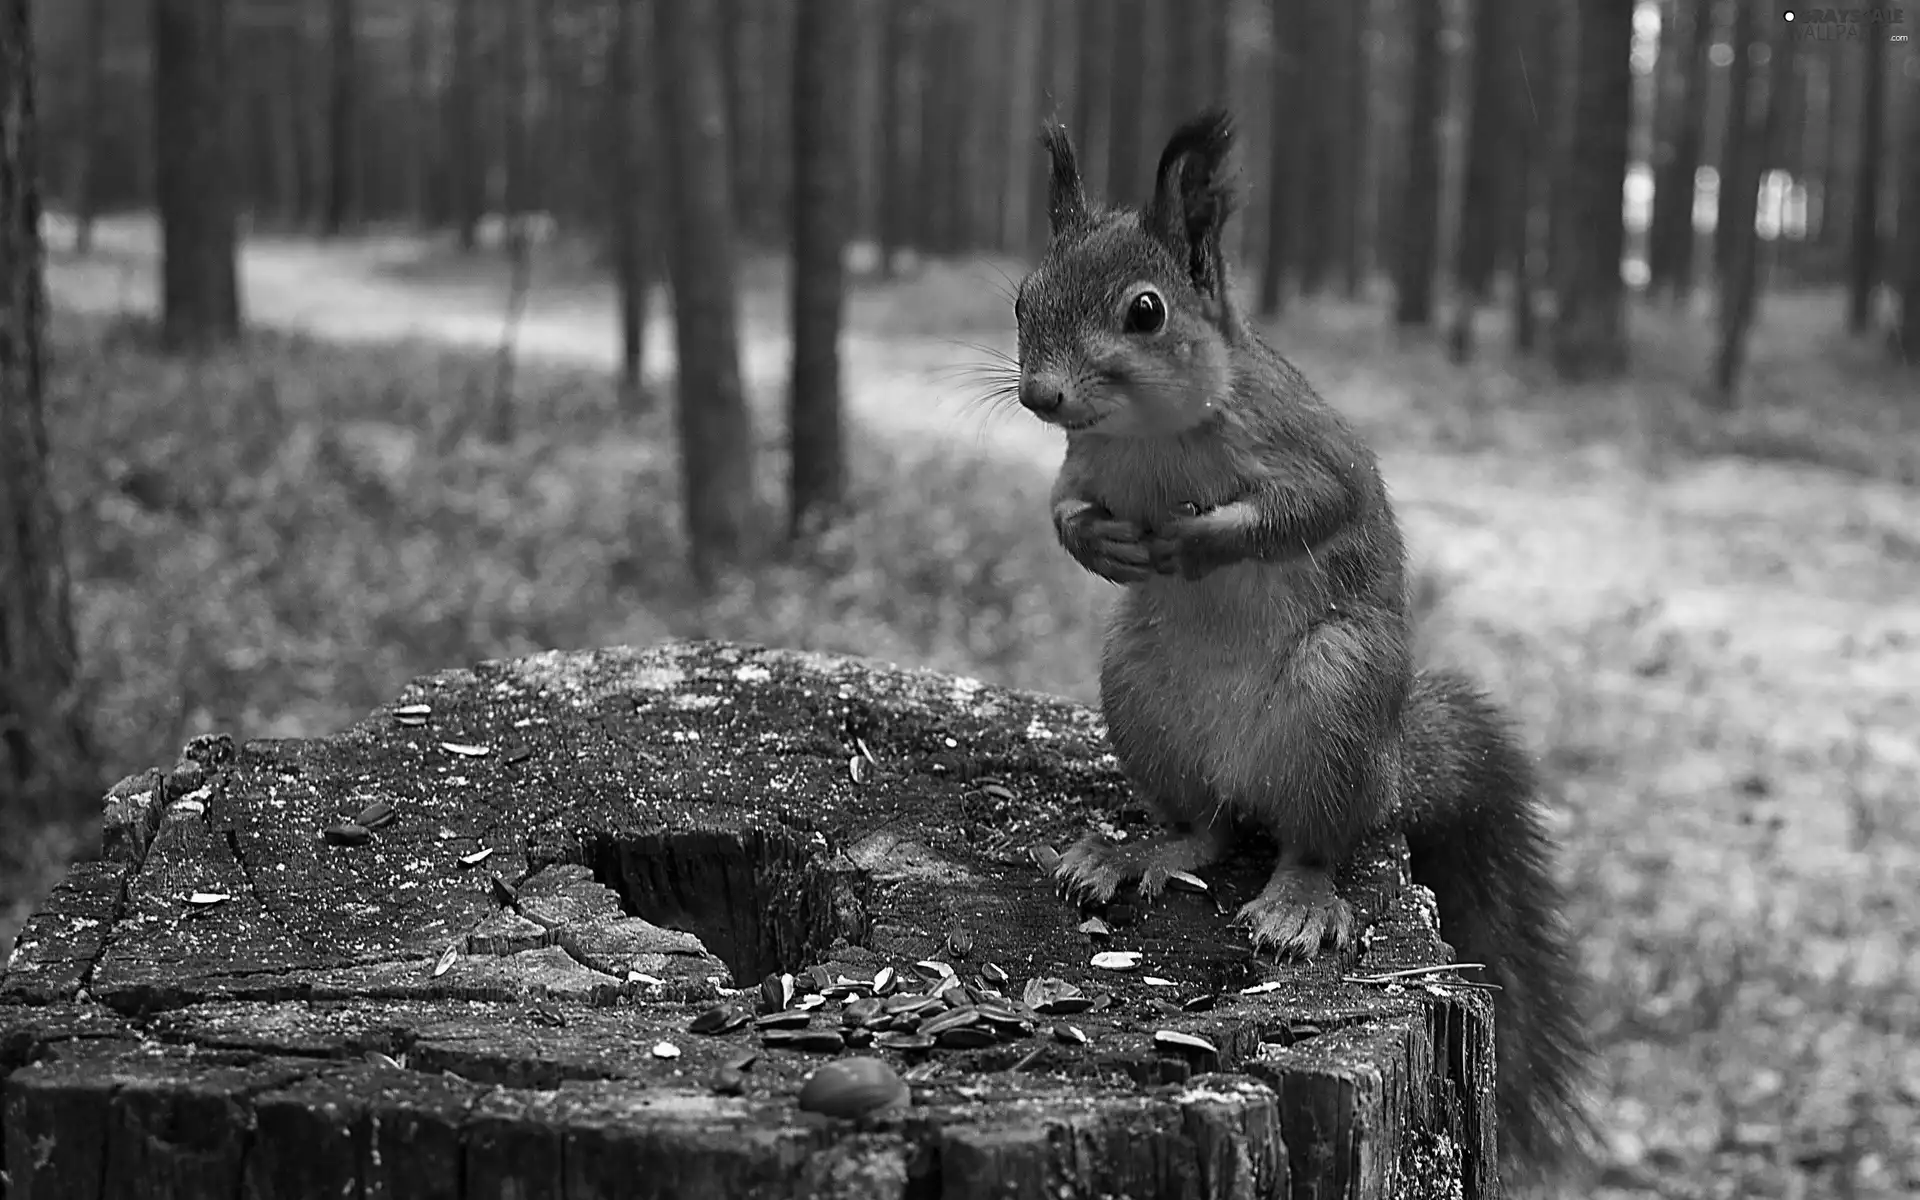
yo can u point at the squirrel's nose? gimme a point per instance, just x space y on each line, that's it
1041 398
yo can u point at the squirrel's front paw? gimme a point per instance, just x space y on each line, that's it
1094 869
1192 544
1102 543
1297 914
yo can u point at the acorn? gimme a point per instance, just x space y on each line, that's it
854 1087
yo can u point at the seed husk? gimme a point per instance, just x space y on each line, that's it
383 1060
933 970
413 710
1173 1039
810 1002
997 791
776 992
883 980
1188 881
466 749
520 753
953 1018
967 1037
1117 960
1156 981
903 1041
1201 1003
412 722
909 1002
854 1087
959 943
791 1018
444 963
376 815
665 1050
1069 1034
347 833
721 1018
477 857
995 974
207 899
813 1041
1095 927
859 769
816 978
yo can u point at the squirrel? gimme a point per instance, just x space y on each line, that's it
1258 669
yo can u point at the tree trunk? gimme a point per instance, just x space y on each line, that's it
1026 28
423 151
1484 203
1760 133
1906 346
466 152
1735 145
1284 182
1862 271
1126 168
342 114
86 184
628 192
1589 329
1350 224
1093 93
822 157
1322 183
1671 237
45 771
1419 216
716 434
1535 28
899 66
193 157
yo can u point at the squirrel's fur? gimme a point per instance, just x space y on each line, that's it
1258 670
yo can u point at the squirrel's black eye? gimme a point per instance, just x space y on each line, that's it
1146 313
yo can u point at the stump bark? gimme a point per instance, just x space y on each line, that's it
292 974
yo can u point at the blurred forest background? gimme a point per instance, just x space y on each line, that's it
389 335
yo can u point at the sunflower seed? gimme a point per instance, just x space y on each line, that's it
956 1018
903 1041
861 1011
993 974
1156 981
792 1018
1201 1003
883 981
997 791
444 963
1095 927
466 749
810 1002
721 1018
383 1060
933 970
1173 1039
376 815
347 833
959 943
854 1087
412 722
1187 880
776 992
204 899
814 1041
413 710
965 1038
859 769
1117 960
1070 1034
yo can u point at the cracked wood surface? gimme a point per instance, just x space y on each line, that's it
662 829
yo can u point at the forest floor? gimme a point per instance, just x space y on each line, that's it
1706 623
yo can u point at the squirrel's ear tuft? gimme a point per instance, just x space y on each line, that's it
1192 197
1066 197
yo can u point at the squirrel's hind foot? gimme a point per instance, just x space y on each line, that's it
1096 867
1298 913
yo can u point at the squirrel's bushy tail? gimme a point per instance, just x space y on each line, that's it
1472 820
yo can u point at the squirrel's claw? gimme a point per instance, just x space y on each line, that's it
1093 869
1297 914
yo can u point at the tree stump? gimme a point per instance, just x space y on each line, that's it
294 974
